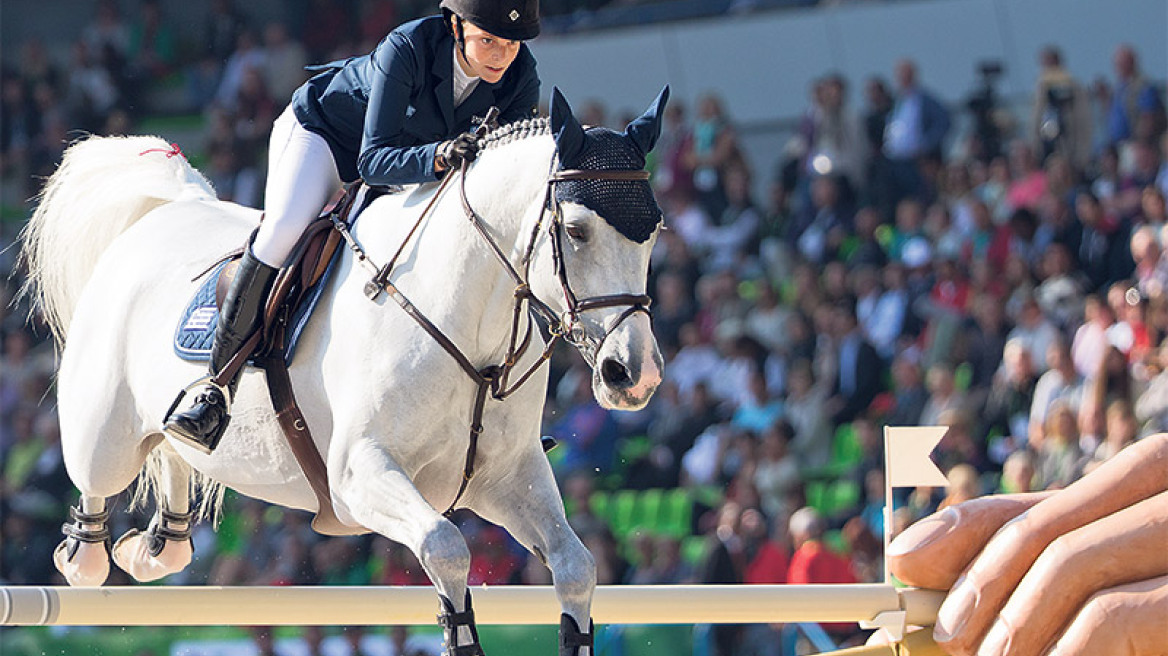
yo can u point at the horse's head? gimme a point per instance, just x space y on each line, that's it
605 224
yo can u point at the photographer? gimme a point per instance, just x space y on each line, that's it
1061 120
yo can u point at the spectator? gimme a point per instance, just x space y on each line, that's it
832 137
221 30
1018 473
777 471
807 413
284 60
915 134
813 562
943 395
1058 451
909 395
674 172
729 239
1006 416
1136 111
1061 118
152 52
1060 384
1034 332
1028 178
1151 406
1104 252
963 485
819 233
715 149
247 56
724 564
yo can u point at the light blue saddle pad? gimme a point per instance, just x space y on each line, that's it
196 328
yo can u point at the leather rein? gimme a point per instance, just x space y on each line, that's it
493 379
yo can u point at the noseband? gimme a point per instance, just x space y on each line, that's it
493 379
570 326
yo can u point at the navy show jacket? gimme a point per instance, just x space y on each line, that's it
383 114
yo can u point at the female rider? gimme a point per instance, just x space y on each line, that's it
399 115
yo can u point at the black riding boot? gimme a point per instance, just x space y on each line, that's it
203 424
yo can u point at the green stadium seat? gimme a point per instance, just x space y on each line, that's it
693 549
650 510
842 496
601 502
845 448
624 512
677 516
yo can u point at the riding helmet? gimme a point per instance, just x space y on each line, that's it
517 20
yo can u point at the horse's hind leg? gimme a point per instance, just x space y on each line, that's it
165 547
382 498
83 557
530 509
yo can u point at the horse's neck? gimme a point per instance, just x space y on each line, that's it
450 272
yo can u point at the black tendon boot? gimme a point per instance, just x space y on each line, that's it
571 640
451 621
203 424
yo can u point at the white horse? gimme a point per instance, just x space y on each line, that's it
124 227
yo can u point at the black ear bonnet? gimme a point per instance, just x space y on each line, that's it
627 205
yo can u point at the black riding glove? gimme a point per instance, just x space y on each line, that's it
463 148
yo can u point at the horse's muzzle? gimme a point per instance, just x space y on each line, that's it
628 366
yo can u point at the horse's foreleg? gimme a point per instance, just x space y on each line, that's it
530 508
380 496
165 547
83 557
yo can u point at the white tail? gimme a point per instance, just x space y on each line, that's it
102 187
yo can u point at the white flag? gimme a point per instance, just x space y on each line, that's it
907 451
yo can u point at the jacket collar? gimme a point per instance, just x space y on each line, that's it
477 104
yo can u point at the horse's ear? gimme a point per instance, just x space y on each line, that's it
644 130
569 134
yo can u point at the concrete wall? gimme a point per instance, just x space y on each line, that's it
762 64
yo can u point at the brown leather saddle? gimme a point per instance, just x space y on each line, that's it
309 261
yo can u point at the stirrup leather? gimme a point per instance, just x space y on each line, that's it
451 621
75 533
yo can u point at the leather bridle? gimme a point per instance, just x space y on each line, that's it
493 379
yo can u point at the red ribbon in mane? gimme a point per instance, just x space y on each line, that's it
174 150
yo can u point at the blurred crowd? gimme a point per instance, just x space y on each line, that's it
1007 281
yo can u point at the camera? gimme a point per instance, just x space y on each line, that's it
982 103
1060 96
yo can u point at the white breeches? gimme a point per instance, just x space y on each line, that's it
302 176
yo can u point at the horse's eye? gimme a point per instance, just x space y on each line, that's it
577 233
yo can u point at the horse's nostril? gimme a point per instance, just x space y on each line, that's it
615 374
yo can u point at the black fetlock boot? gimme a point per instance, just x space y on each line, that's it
450 622
202 425
571 640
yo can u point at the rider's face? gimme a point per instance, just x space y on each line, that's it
487 56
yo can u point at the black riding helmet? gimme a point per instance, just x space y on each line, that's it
516 20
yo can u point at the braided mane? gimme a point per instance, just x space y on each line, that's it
516 131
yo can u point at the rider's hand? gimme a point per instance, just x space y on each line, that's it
1079 571
451 154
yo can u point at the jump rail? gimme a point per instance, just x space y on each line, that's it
372 606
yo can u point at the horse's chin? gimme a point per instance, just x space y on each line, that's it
611 398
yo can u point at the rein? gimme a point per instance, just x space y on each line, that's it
493 379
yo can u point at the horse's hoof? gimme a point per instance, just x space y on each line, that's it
132 554
85 565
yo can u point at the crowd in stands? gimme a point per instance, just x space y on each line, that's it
1009 283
